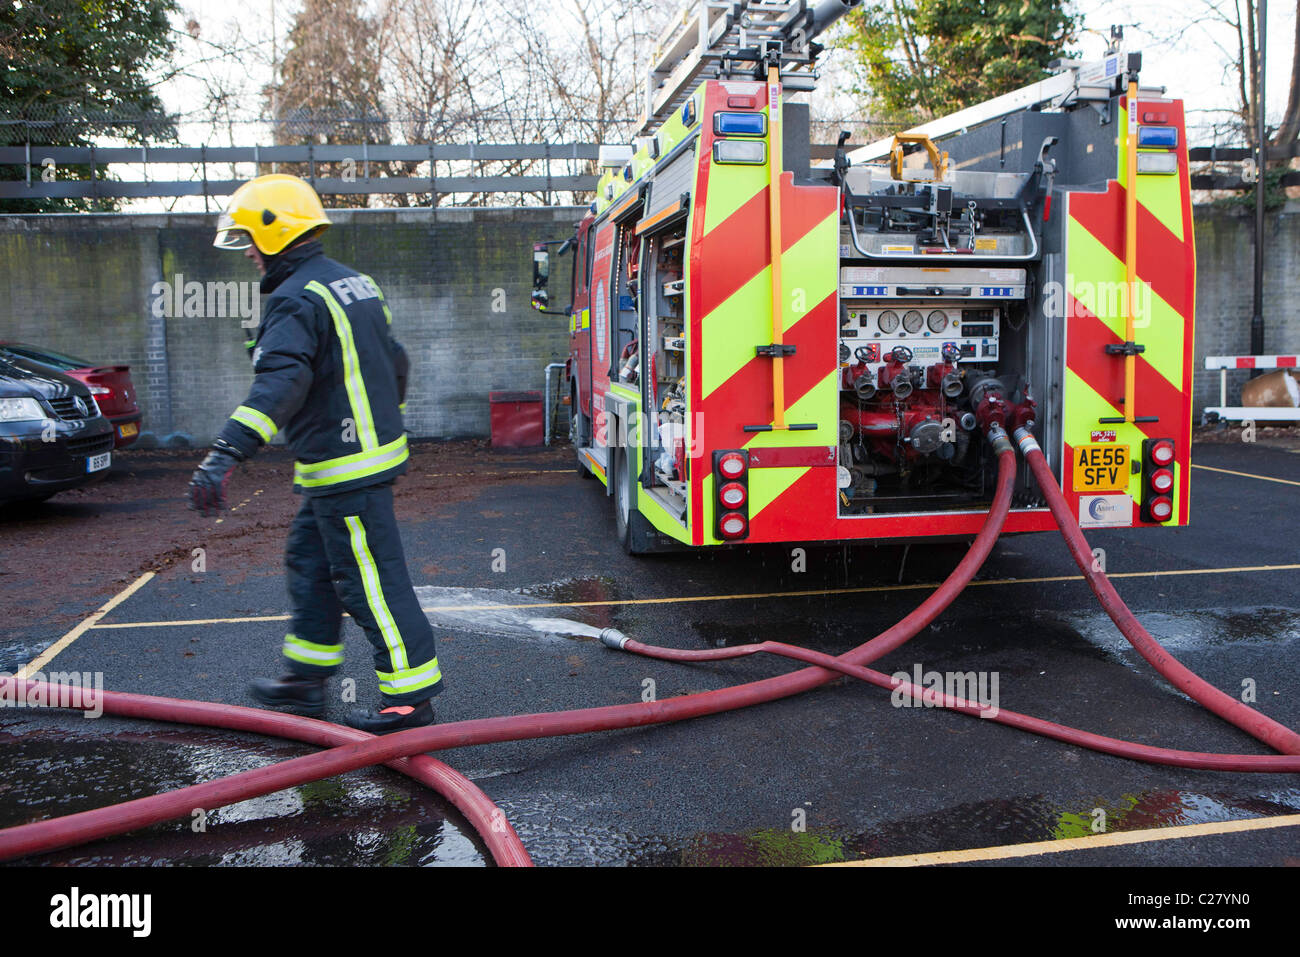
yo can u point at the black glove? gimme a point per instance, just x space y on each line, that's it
207 492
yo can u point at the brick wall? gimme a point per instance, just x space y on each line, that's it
457 280
1225 251
85 284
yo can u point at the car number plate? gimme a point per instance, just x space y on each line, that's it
1101 467
97 462
128 428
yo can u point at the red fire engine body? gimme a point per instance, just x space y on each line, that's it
764 349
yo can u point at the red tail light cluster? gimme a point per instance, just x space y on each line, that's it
1158 480
731 487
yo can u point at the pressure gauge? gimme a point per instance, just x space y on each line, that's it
913 320
938 321
888 322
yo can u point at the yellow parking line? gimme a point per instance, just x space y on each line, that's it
509 474
1119 839
684 599
46 656
1262 478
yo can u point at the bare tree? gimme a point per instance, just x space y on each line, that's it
1230 27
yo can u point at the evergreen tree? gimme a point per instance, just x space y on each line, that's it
74 68
924 58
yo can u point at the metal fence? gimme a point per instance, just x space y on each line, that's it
1227 166
541 168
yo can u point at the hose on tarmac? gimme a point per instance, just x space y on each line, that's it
1265 729
73 829
503 844
1260 726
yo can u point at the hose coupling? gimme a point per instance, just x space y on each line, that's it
1026 441
997 437
613 638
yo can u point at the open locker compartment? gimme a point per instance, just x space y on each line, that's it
938 278
665 464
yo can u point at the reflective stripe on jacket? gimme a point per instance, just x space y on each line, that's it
327 373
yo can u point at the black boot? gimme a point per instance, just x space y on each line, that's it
305 695
392 718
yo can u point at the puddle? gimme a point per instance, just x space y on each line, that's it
981 824
1192 630
369 818
597 588
15 655
494 612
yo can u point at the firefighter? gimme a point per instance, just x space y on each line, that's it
329 374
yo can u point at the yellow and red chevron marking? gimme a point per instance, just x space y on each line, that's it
730 308
1166 271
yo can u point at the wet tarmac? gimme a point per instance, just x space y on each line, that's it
834 775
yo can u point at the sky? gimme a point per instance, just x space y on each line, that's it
1190 58
1193 65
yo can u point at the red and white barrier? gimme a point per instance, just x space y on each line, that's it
1241 413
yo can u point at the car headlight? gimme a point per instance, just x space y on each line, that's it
18 410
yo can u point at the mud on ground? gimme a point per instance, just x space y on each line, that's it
63 558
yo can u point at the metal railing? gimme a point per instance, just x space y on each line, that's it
365 169
1235 160
362 169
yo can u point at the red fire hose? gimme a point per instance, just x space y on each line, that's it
1275 763
1265 729
1276 736
103 822
74 829
486 818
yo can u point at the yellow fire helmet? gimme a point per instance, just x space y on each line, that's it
269 212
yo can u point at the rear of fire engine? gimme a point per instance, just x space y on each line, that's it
768 349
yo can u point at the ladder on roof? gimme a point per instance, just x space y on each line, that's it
713 39
1078 82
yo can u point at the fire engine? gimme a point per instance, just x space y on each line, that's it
765 348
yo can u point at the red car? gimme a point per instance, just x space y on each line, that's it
110 385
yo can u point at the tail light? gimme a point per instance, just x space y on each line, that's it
1158 480
1161 509
733 495
731 485
732 526
1161 450
732 465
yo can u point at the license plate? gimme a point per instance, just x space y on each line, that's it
128 429
1101 467
97 462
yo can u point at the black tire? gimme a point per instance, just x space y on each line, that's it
632 528
622 503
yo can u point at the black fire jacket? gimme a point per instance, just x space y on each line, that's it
328 373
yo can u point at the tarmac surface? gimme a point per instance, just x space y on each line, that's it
835 775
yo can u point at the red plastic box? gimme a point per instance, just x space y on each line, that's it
517 419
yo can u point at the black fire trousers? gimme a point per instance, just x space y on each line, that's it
345 554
